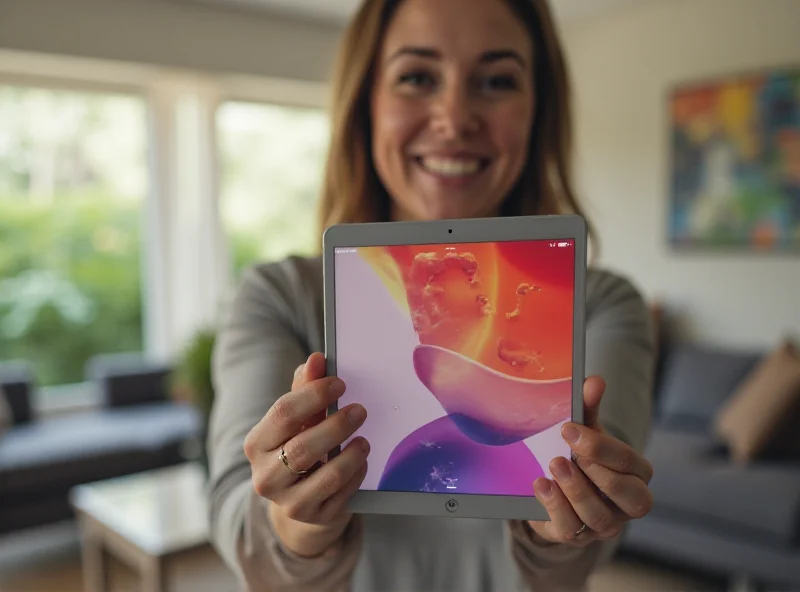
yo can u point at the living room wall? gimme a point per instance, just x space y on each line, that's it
623 67
173 33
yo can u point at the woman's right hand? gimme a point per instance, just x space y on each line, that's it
308 511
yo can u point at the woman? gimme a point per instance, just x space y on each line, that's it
442 109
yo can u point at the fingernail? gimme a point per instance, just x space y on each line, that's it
571 434
356 415
337 387
561 469
364 445
545 488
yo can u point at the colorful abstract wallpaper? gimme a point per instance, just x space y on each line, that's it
462 356
736 163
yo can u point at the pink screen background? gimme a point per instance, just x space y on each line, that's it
462 356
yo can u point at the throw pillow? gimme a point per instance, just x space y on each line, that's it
756 413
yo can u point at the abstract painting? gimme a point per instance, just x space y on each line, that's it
735 163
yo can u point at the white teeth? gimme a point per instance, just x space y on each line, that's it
451 167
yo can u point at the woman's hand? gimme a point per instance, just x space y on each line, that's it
309 497
605 486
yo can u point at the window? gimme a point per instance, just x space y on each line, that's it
73 182
271 160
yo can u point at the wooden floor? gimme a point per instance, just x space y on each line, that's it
52 564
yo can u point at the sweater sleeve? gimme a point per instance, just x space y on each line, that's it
620 347
258 347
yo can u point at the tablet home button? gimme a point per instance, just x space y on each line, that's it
451 505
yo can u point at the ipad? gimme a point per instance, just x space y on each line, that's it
464 340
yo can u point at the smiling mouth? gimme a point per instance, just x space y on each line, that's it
452 168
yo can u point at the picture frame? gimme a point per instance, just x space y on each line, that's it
734 171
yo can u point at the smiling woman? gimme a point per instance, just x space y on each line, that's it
445 109
497 98
452 119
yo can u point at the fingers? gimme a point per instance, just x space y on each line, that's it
337 503
317 498
607 451
593 389
630 494
289 414
313 369
308 448
312 445
564 522
585 501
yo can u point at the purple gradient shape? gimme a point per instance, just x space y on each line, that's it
490 407
439 454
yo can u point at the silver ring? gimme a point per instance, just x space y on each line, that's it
579 532
285 461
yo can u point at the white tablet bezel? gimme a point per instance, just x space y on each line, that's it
459 231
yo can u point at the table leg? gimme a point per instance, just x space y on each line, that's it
154 576
95 563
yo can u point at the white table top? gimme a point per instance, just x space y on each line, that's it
161 511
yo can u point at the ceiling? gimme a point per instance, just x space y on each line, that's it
338 11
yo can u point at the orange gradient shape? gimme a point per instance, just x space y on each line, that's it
508 306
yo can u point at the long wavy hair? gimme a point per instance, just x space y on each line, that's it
351 189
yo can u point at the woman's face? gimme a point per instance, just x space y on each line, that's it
452 107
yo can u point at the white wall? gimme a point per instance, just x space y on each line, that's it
622 69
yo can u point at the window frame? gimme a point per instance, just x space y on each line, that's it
161 89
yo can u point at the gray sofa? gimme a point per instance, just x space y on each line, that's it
136 428
738 522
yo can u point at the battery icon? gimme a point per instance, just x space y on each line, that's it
563 244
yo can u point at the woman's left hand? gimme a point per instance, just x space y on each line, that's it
605 486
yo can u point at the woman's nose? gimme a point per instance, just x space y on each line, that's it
455 115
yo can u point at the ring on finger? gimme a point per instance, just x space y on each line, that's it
285 461
581 530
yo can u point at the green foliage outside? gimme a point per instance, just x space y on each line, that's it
73 178
70 282
271 170
72 181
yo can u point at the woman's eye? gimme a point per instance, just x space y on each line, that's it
498 83
416 79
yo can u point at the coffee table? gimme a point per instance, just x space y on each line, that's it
143 520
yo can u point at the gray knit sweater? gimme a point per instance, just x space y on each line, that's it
273 324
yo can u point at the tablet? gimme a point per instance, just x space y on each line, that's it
464 340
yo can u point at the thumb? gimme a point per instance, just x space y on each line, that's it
593 389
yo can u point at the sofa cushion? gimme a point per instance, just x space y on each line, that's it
756 415
694 480
31 455
16 384
697 380
128 379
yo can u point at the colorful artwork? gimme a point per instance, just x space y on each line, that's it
736 163
462 356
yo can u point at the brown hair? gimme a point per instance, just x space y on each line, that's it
352 191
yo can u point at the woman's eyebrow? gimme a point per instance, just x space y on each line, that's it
490 56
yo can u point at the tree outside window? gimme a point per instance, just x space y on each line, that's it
271 171
73 180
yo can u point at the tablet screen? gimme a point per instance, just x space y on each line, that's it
462 355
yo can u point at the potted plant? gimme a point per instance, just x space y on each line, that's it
191 381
